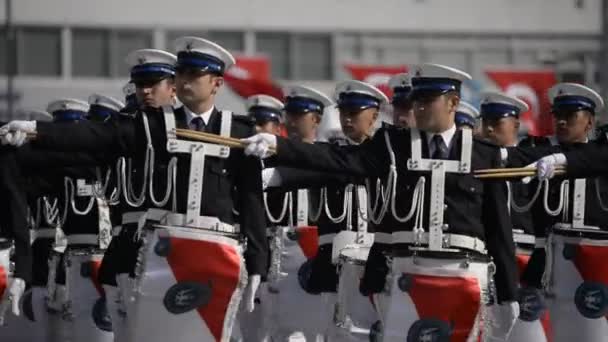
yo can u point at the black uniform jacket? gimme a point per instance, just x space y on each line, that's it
474 208
126 137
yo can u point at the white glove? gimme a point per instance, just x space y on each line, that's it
15 132
270 178
12 298
250 292
259 145
545 167
502 318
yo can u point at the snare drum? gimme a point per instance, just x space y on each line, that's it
86 310
354 312
33 324
189 283
579 282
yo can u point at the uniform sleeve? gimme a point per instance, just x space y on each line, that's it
523 156
116 137
252 215
30 157
13 218
499 238
292 179
589 161
368 159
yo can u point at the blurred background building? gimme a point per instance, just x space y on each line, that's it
76 47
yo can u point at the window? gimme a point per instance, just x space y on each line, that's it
232 41
173 35
452 58
90 53
39 51
122 43
276 47
3 53
313 60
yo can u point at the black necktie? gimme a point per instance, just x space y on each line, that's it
441 150
198 124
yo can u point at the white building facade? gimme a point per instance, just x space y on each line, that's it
72 48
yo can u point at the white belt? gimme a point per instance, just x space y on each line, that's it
116 230
385 238
132 217
200 222
568 226
140 217
524 238
42 233
450 240
83 239
540 242
326 239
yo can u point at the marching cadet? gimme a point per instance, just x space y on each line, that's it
466 116
199 219
304 110
403 113
442 256
267 112
577 243
152 86
500 125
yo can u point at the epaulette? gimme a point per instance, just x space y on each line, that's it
480 141
244 119
534 141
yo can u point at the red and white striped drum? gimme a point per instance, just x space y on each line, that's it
86 311
435 300
291 304
189 285
33 324
354 312
5 250
533 324
579 282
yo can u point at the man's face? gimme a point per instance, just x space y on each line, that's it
302 125
357 124
572 125
271 127
501 131
403 115
195 87
155 94
435 112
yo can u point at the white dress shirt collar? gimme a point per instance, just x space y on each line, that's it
205 116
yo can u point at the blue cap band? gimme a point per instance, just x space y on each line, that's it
401 94
197 60
265 114
101 111
499 110
68 115
573 102
357 101
298 104
464 119
440 85
152 69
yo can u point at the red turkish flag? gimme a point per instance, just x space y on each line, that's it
251 76
530 86
376 75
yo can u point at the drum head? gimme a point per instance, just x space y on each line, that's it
355 255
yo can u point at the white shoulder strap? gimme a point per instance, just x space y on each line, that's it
226 126
169 122
553 140
302 208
